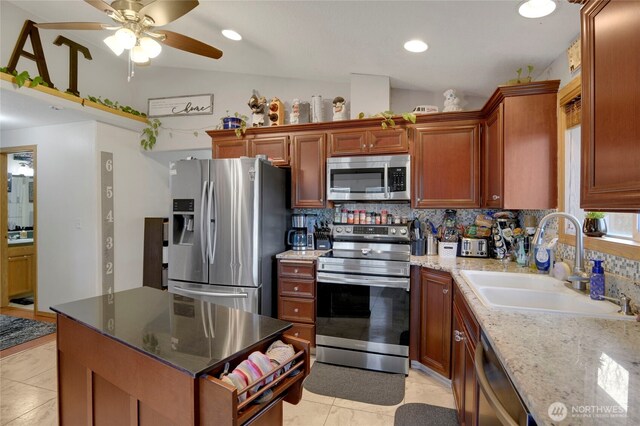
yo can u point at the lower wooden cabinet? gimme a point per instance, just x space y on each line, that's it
20 270
297 297
466 334
435 320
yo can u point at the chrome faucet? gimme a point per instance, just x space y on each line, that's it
579 277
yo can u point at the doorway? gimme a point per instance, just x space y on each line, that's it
18 222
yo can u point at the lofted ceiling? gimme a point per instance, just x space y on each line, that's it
473 45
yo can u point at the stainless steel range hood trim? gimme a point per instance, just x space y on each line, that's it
362 345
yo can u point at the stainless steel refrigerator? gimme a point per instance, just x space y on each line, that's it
227 223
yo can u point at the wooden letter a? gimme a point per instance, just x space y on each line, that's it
29 30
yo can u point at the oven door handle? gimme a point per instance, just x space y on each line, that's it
402 283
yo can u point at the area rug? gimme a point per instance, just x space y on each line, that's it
14 331
425 414
354 384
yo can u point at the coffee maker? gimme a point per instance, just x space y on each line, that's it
297 235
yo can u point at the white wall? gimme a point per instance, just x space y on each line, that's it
369 94
67 225
559 70
404 100
231 92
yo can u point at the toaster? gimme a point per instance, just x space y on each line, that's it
474 247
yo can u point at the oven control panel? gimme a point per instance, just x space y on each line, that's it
371 232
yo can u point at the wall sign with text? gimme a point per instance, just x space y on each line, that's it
181 106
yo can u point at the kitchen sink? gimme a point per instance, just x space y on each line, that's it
529 292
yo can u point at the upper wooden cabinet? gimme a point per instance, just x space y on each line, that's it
275 147
230 148
446 165
610 105
308 170
520 147
374 141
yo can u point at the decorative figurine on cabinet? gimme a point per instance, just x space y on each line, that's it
339 109
276 112
451 101
257 105
299 112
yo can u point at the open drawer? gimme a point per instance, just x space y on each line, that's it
218 401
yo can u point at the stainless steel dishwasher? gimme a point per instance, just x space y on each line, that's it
498 400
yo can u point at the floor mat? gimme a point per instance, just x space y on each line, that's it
354 384
23 300
14 330
424 414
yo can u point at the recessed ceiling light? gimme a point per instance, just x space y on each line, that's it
537 8
232 35
416 46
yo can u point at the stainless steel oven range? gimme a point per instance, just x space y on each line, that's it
363 298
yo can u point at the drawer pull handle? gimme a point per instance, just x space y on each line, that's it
458 336
495 197
295 271
445 290
295 288
296 334
296 310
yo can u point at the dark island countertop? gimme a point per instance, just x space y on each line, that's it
188 334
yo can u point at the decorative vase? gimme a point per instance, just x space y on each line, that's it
594 227
231 122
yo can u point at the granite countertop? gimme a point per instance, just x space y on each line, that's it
191 335
301 255
591 365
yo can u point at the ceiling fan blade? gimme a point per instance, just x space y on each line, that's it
188 44
102 6
72 26
164 11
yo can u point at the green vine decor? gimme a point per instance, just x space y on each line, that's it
150 134
387 118
115 105
23 77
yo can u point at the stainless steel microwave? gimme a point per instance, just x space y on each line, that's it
381 178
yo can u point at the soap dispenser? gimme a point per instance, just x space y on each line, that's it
597 281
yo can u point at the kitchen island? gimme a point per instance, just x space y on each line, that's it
148 357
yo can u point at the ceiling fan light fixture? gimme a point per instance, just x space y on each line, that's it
126 38
114 45
416 46
537 8
139 55
151 47
231 35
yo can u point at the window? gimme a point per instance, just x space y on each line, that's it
619 225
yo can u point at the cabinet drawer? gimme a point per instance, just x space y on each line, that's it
297 310
303 331
297 268
297 288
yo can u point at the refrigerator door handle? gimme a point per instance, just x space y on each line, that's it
212 203
213 294
202 219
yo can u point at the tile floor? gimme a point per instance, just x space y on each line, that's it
28 396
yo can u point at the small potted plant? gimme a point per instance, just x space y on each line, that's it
594 224
235 121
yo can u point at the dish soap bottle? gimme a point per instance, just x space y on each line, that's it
597 281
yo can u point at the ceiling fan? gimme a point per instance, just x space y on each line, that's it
137 29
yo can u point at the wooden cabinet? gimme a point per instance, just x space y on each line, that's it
374 141
520 147
275 147
446 165
20 270
435 320
308 170
155 265
297 297
610 105
466 336
230 148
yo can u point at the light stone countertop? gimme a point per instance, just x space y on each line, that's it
588 364
301 255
